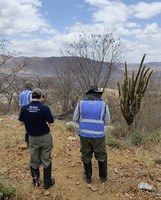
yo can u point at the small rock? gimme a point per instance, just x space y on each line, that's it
69 176
13 117
77 183
94 189
88 186
23 147
71 138
46 193
159 179
116 171
144 186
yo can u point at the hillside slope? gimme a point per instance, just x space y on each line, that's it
126 168
48 65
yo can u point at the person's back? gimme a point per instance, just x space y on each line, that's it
35 115
37 118
25 97
92 114
91 122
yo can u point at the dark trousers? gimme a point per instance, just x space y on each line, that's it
93 145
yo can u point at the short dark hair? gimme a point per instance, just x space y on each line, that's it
36 96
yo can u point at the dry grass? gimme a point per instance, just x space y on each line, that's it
126 168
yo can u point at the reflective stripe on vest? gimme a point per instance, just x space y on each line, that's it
89 126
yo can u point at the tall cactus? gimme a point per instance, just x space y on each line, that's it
132 90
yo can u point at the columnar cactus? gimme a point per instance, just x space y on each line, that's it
132 90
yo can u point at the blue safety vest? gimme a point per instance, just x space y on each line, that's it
25 97
91 121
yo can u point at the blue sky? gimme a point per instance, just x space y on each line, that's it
43 27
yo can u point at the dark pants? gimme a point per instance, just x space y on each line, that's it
93 145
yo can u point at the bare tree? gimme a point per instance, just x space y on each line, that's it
7 74
5 53
65 88
9 69
94 58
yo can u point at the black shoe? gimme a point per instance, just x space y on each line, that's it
36 182
48 181
50 184
35 176
87 172
87 180
103 180
102 170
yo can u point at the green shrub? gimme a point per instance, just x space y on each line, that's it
153 137
119 131
71 128
113 142
136 138
6 191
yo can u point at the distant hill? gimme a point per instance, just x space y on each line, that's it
45 66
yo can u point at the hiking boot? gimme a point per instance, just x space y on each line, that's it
36 182
87 172
102 166
52 182
87 180
48 181
102 180
35 173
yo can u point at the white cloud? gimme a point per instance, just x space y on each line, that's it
109 12
147 40
146 10
43 47
97 28
123 20
97 2
21 16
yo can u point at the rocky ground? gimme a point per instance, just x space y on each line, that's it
126 168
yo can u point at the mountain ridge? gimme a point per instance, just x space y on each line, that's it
45 66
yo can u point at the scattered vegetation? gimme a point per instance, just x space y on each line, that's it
70 128
6 191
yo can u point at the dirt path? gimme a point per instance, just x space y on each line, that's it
126 168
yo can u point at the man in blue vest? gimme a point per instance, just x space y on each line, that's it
93 114
24 99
